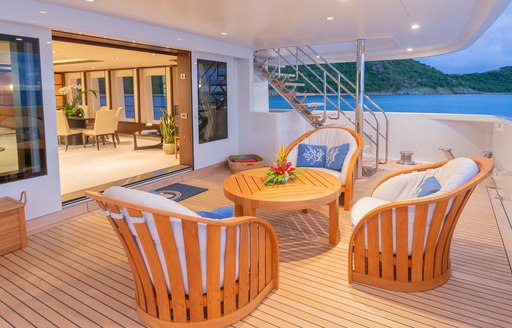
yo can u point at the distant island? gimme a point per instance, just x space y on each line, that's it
409 76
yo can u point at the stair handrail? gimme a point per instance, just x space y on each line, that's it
298 72
320 92
366 97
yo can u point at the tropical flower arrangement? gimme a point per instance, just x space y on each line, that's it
74 95
281 170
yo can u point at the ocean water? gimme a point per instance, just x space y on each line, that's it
489 104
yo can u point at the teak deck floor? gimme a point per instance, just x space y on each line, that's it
76 274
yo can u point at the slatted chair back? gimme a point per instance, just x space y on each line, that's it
380 253
190 271
332 136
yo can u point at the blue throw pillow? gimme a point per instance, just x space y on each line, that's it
336 156
218 213
428 186
311 155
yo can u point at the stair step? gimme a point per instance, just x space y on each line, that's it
269 56
300 94
290 84
314 104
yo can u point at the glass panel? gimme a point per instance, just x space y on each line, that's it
22 152
129 104
102 91
159 95
213 100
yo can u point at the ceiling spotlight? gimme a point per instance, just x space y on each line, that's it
43 12
90 0
179 39
224 33
415 26
409 49
19 39
330 18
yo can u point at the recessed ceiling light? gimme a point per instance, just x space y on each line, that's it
90 0
330 18
19 39
179 39
153 54
224 33
415 26
409 49
43 12
317 56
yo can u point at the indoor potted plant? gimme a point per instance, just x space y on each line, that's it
168 130
73 95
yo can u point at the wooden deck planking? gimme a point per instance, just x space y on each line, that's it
76 274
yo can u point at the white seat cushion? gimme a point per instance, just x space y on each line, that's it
155 201
363 206
451 175
329 138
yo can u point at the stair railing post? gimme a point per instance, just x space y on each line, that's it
360 99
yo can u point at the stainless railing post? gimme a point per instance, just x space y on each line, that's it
360 98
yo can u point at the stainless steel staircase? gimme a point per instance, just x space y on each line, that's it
298 73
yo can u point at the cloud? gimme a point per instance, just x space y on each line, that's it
493 50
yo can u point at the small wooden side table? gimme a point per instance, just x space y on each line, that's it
13 231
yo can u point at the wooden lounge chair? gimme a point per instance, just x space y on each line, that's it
191 271
333 136
403 243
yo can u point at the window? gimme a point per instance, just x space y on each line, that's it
159 95
129 102
213 100
22 144
102 91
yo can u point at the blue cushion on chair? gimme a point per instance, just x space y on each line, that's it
311 155
428 186
336 156
218 213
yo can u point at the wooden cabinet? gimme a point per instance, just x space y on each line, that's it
59 83
13 232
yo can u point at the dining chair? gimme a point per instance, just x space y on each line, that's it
63 129
118 114
104 125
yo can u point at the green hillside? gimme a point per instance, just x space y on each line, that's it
412 77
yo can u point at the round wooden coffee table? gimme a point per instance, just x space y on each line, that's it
309 189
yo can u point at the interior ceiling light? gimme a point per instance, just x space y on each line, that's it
409 49
43 12
19 39
224 33
90 0
330 18
415 26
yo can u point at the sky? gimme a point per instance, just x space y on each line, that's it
492 51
